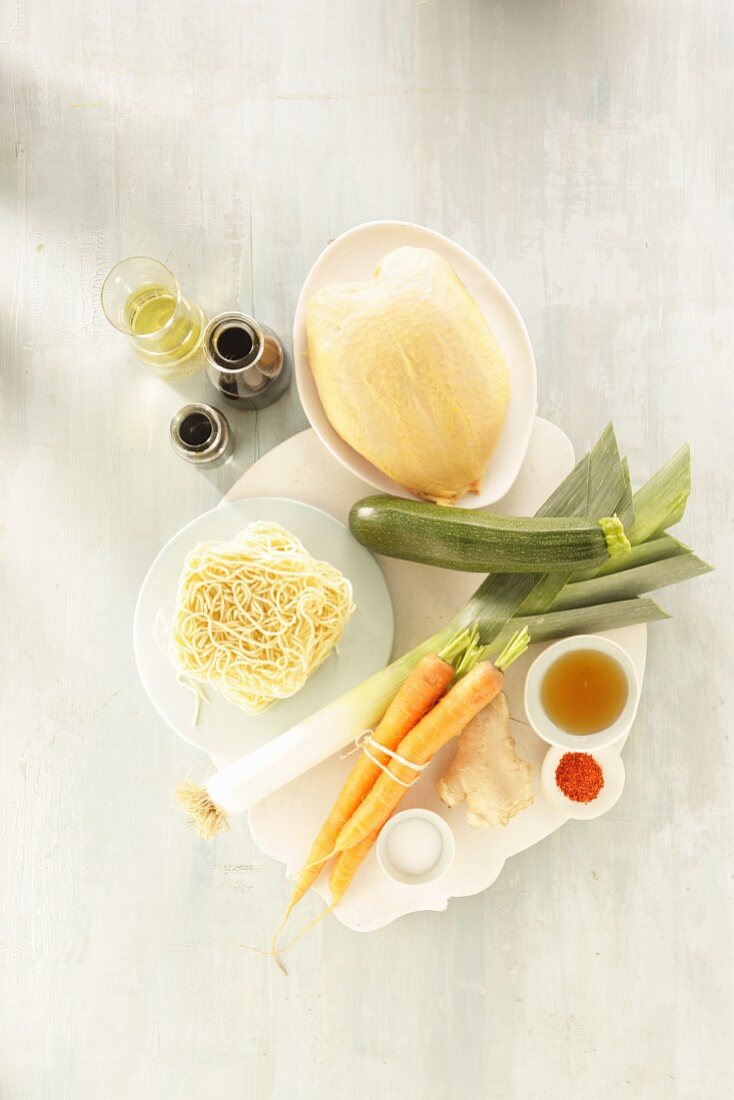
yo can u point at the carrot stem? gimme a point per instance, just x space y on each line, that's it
515 648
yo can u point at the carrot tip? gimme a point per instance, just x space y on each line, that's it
261 951
309 926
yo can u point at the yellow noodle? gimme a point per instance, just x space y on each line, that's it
256 616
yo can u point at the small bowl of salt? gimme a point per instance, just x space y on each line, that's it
415 847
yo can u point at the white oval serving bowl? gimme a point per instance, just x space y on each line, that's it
354 256
438 869
555 735
613 771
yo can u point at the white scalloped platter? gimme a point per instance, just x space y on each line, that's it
354 256
424 599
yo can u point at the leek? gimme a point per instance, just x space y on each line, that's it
243 782
626 506
662 500
583 620
603 488
656 549
594 488
631 582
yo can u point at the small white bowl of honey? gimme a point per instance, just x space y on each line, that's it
582 693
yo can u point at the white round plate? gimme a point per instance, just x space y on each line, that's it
284 824
222 728
355 255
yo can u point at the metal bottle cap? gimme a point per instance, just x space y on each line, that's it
200 434
245 360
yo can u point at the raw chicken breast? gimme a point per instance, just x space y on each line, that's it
409 373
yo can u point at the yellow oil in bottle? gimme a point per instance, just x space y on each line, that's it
170 330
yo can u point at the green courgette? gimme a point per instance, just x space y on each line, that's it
479 542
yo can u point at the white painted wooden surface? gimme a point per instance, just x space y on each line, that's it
581 149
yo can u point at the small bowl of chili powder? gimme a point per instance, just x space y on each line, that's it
582 784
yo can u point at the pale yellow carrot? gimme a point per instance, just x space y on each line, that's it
346 866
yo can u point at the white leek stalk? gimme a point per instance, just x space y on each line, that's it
239 785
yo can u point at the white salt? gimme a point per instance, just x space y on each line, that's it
414 846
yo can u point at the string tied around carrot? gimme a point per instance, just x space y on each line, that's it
366 742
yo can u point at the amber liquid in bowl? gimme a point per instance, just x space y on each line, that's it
584 691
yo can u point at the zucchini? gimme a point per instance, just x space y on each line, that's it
479 542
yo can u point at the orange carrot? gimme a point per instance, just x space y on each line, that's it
417 726
346 866
425 684
447 719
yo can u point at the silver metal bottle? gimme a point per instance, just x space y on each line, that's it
245 361
201 434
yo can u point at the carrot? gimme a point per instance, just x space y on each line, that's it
412 709
473 691
346 866
425 684
447 719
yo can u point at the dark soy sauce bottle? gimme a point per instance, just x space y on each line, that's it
245 361
200 434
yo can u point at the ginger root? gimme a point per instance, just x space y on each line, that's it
486 772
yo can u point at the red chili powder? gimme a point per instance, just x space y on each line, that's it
579 776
